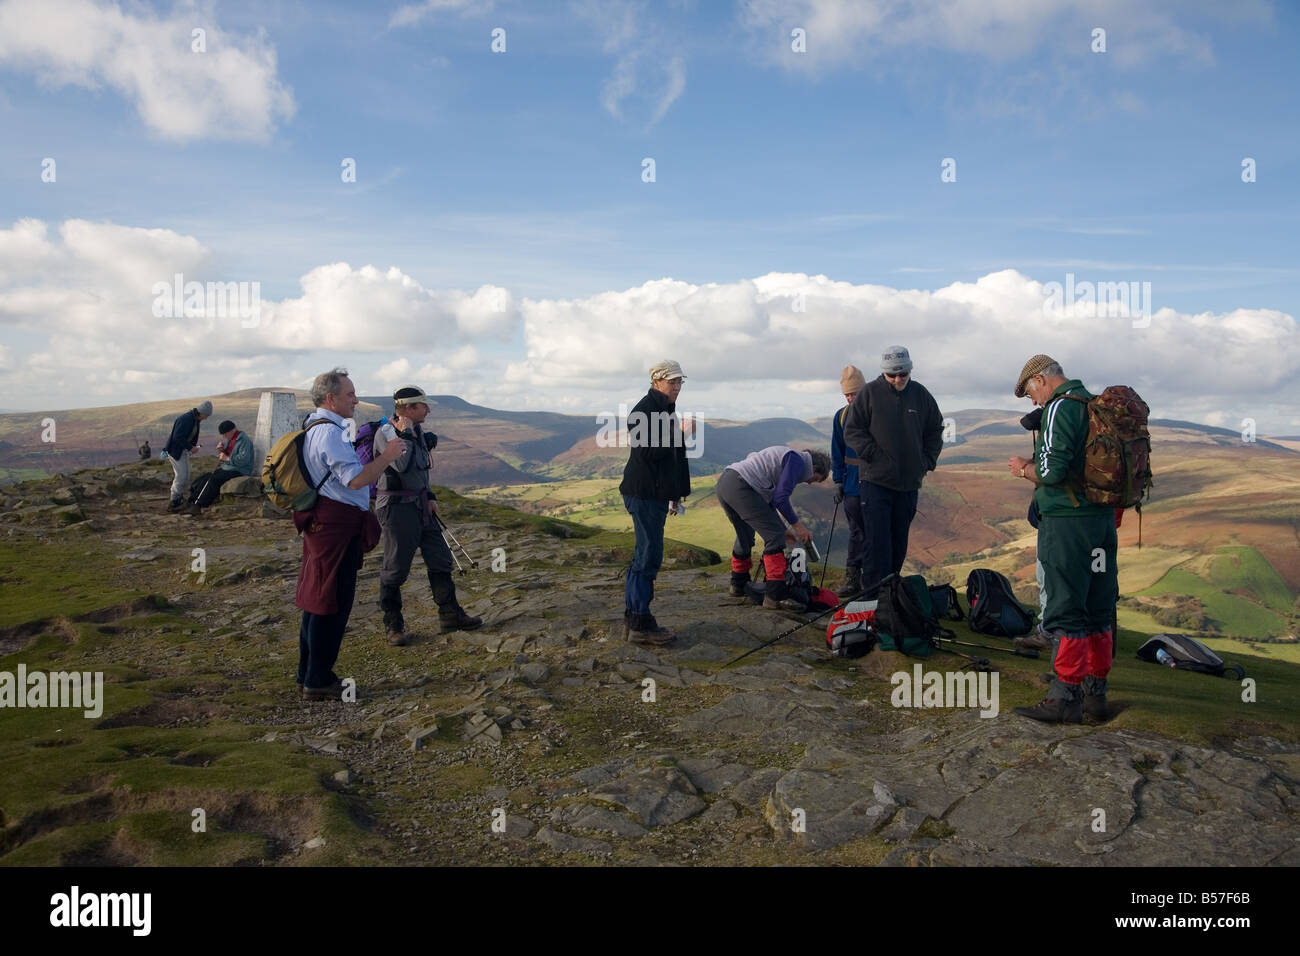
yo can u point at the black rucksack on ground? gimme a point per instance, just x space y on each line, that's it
1189 654
945 603
905 619
993 605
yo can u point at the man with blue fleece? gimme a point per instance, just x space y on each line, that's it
755 496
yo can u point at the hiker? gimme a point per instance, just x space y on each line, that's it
655 480
896 429
183 441
235 457
1076 545
1037 639
335 533
844 472
145 451
407 512
755 495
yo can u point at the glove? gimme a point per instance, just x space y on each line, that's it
839 491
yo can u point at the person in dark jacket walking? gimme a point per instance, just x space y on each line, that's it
183 440
755 496
844 472
408 513
655 480
897 430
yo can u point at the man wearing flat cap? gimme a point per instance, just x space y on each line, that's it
896 429
1076 545
655 481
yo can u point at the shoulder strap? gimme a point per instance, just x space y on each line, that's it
310 426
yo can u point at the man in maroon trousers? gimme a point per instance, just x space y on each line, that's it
335 534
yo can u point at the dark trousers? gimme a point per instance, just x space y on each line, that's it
857 531
887 517
321 635
648 517
205 488
748 512
405 532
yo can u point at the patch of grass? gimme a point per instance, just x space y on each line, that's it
56 579
1233 614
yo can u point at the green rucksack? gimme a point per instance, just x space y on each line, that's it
284 474
905 618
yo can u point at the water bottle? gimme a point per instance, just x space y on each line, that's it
1164 657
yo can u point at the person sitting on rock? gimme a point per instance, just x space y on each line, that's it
235 457
145 451
755 495
408 514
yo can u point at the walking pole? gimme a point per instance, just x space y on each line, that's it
447 532
835 514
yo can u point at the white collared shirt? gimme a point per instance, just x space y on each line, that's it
328 449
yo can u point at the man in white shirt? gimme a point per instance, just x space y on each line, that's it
335 534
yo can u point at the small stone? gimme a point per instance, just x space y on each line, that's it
315 843
344 777
420 737
534 672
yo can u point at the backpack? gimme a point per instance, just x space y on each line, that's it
945 603
852 631
799 588
905 618
993 605
364 444
1117 458
1189 654
284 473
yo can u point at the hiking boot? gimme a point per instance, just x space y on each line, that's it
644 629
398 639
192 510
1053 710
852 583
1035 640
738 582
459 621
1094 708
175 505
333 692
774 592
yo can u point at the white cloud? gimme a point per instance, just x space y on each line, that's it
411 14
854 31
649 72
229 92
75 316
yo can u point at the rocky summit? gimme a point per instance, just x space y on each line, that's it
545 738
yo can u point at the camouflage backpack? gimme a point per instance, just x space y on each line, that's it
1117 459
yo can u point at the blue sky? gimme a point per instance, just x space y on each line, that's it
522 171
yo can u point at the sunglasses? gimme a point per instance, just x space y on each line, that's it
896 374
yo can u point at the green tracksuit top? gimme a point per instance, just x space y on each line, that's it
1059 453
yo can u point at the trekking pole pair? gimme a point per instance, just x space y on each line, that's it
453 545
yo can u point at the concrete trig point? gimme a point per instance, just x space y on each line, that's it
277 415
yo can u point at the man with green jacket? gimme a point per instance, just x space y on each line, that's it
235 460
1076 545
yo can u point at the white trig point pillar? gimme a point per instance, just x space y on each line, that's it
277 415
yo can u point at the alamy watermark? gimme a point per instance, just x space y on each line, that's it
213 300
950 689
653 430
83 690
1095 300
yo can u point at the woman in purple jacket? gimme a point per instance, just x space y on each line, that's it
755 494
